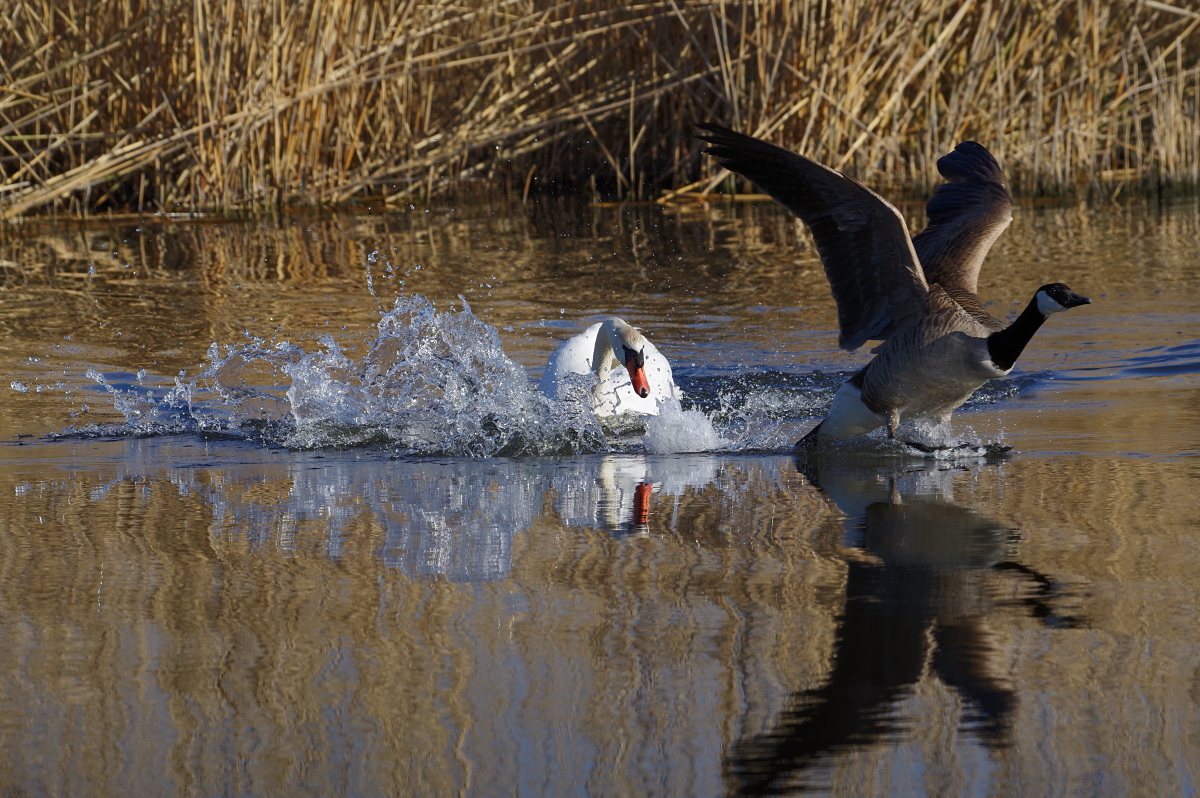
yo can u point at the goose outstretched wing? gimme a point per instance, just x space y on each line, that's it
863 242
966 216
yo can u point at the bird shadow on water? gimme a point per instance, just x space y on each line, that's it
921 580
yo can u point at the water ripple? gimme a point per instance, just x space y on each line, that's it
1157 361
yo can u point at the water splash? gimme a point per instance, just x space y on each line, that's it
148 409
439 382
429 383
675 430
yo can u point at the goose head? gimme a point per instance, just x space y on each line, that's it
1056 297
1005 346
619 344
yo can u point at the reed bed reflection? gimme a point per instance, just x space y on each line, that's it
736 249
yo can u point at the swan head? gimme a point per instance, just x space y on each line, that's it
1056 297
628 347
635 364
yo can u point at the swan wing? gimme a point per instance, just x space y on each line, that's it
659 374
862 239
573 356
966 216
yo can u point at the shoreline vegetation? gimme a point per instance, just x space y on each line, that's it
235 106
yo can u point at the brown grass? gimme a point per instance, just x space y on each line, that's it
243 104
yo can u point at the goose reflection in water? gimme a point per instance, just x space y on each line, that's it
916 605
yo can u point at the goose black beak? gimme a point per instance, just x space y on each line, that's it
1074 300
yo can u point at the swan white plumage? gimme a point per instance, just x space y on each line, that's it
633 375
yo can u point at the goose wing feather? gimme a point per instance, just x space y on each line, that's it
971 304
945 315
863 242
918 368
966 216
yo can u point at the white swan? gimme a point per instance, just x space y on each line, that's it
634 376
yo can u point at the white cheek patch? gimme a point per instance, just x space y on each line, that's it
1046 304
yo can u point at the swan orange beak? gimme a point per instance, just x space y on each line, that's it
637 375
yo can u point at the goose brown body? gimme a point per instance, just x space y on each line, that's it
915 294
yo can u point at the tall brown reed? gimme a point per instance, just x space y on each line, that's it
242 104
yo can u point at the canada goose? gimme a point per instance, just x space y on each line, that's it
916 294
602 349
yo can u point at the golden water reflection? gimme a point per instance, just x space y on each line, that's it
211 618
205 616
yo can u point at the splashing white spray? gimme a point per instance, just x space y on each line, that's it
675 430
429 382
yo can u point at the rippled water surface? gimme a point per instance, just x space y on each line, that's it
282 513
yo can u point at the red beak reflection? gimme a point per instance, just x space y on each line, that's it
641 504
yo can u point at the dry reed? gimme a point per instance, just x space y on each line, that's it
170 105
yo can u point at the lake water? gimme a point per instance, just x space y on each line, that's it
281 514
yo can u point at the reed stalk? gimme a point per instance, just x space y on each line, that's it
240 105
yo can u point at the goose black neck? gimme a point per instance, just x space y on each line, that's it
1006 346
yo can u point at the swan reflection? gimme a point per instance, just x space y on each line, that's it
617 492
919 587
458 521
